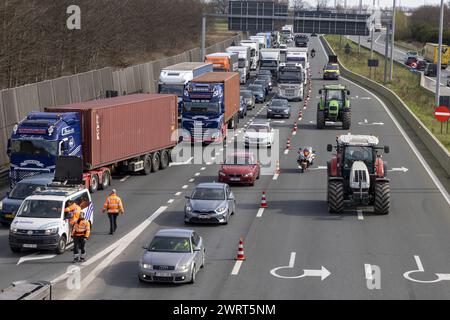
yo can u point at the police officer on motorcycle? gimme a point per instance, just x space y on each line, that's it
313 53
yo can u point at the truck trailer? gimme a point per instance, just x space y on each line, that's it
127 133
244 61
172 79
254 52
270 60
431 51
211 106
223 61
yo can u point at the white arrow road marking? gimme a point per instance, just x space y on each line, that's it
181 163
368 269
366 98
420 268
35 256
365 123
323 273
403 169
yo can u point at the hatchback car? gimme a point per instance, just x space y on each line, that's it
259 134
174 255
239 167
249 98
278 108
258 92
331 71
410 60
264 83
268 79
210 203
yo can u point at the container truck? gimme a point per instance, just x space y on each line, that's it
172 79
254 52
127 133
223 61
299 55
287 31
290 81
431 51
259 39
270 60
244 61
211 106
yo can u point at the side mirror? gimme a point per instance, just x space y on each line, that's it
386 149
231 196
329 147
145 247
197 249
320 91
187 197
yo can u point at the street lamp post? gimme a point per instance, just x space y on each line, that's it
392 41
439 62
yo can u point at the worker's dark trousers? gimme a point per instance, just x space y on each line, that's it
112 222
78 245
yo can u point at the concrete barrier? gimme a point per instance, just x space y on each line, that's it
393 101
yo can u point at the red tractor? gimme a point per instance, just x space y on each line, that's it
358 174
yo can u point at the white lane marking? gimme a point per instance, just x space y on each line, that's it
170 201
178 193
368 269
35 256
292 260
286 151
197 174
236 267
304 108
403 169
202 168
260 212
360 215
122 244
124 178
181 163
185 186
408 140
275 176
208 163
221 149
294 133
191 180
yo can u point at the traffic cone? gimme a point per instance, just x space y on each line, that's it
263 200
240 252
288 144
277 170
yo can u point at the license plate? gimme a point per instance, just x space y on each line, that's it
30 245
235 179
163 274
203 217
10 216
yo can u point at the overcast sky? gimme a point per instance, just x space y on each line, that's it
384 3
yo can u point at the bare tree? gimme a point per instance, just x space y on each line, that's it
321 4
220 6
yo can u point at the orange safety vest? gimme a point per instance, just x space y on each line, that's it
81 228
76 210
113 204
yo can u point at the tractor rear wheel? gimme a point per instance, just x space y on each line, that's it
382 198
335 196
346 119
320 119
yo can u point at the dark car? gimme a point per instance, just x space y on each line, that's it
249 98
265 72
264 83
313 34
278 108
431 70
242 107
421 65
258 92
410 60
268 79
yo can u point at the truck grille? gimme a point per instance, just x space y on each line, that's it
18 175
360 176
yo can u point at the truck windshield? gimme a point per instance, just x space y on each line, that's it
241 63
40 209
269 63
201 107
177 89
23 190
43 148
290 76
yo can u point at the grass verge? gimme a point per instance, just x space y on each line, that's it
405 83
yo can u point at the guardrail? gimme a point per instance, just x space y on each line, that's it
392 100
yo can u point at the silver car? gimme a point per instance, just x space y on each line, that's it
174 255
210 203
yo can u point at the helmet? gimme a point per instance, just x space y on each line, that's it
113 191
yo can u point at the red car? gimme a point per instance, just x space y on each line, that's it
240 167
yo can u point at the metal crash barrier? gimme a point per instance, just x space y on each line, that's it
26 290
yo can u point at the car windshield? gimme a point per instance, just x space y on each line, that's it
23 190
269 63
356 153
43 148
290 76
170 244
241 63
278 103
256 88
40 209
332 67
201 107
334 95
208 194
172 89
239 160
259 128
247 94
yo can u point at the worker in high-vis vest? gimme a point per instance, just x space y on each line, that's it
80 233
113 206
73 210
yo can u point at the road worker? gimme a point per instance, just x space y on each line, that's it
74 211
80 233
113 206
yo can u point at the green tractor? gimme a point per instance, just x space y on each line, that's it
334 106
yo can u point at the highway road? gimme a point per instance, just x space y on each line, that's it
399 55
295 233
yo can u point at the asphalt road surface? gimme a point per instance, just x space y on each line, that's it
358 254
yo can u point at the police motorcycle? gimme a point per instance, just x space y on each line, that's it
305 158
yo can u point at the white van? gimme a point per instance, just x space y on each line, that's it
40 222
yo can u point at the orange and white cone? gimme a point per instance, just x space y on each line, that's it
277 169
288 144
263 200
240 252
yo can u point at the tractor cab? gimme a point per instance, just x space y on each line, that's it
334 106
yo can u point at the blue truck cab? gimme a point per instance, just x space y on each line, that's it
39 139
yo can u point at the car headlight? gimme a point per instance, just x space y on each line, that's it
146 266
286 111
51 231
248 175
13 230
188 208
221 210
1 205
183 267
222 174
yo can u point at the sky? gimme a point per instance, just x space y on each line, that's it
384 3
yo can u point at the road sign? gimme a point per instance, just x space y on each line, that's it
442 113
372 62
347 49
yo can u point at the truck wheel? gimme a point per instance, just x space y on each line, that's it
164 159
320 119
93 185
61 245
147 165
156 162
382 198
15 249
346 120
335 197
106 180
